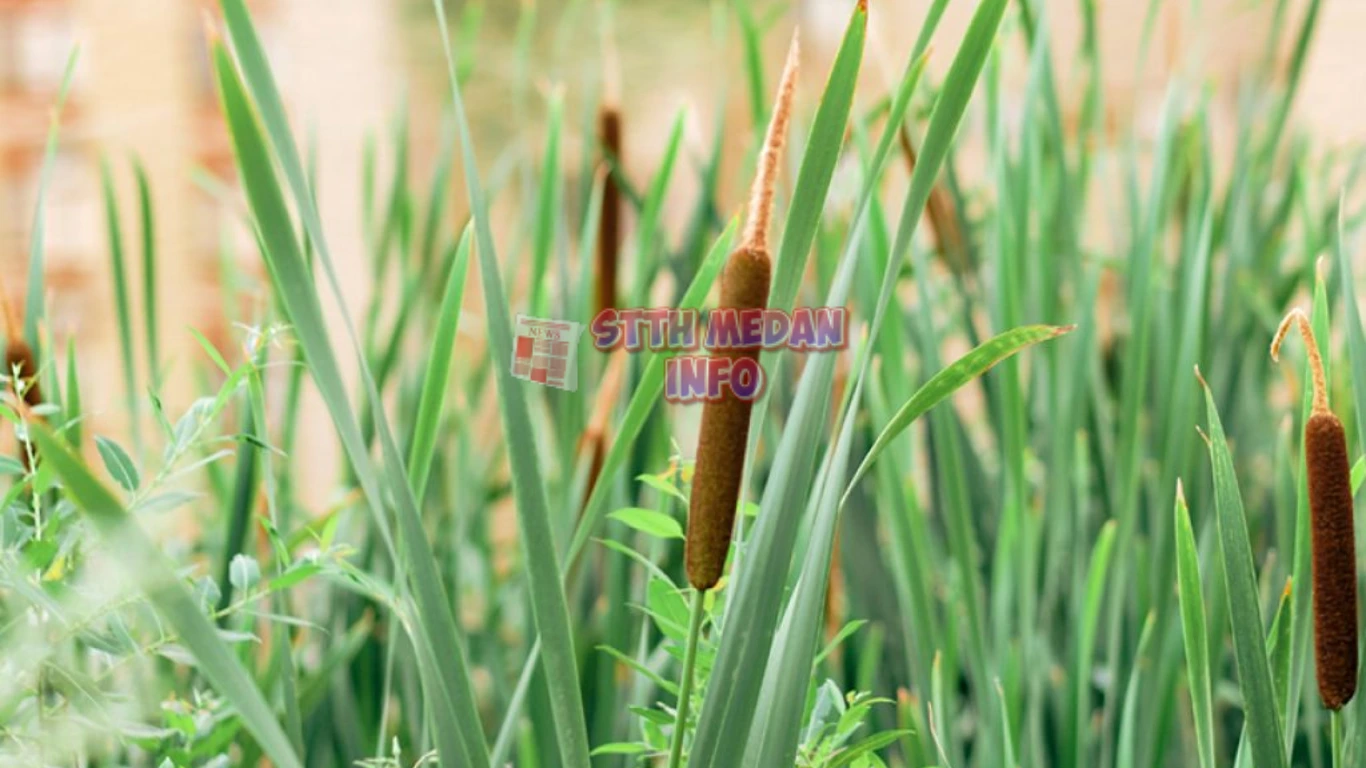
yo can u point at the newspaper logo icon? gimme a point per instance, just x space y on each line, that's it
544 352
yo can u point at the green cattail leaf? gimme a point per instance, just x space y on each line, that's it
1128 729
1193 631
648 228
157 578
751 36
775 734
119 272
547 204
1088 626
147 218
947 381
437 378
72 407
35 293
1245 613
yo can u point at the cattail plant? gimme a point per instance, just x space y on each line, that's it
1334 542
725 422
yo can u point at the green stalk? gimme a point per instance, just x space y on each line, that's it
1335 727
685 686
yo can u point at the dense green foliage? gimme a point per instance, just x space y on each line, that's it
984 535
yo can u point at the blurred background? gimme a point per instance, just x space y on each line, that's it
351 69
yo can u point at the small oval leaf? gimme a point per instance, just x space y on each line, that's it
117 463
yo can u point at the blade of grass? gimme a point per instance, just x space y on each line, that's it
1249 639
547 204
1193 631
121 312
33 303
73 397
149 276
437 378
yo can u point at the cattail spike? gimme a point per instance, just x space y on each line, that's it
1328 473
724 434
609 222
761 194
1296 316
1333 558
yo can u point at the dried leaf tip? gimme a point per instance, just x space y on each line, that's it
761 194
1297 317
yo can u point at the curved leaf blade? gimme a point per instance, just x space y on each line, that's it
950 379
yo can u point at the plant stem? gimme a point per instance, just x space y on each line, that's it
1335 738
685 687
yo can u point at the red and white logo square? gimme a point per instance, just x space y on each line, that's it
544 351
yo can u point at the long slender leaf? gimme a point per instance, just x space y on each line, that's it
1193 630
948 380
1249 643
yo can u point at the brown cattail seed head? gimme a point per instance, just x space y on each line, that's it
609 225
1333 539
724 435
1334 559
